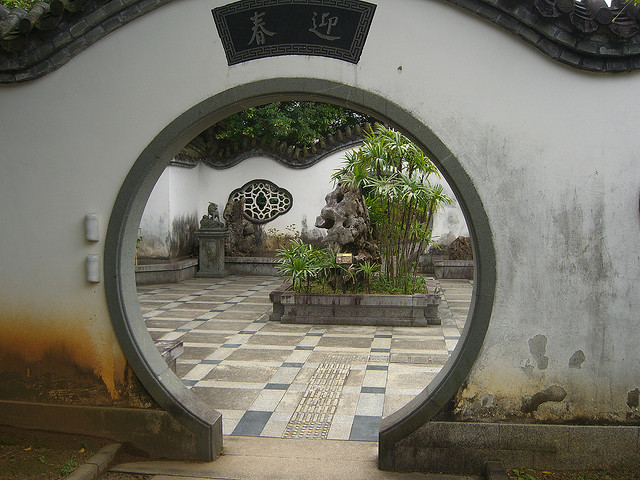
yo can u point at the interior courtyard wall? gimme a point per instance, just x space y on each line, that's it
155 225
181 191
184 198
171 210
308 197
550 150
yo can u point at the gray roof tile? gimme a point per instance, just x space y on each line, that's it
571 38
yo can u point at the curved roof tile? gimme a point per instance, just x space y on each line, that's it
586 34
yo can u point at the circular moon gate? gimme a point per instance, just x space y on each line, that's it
120 287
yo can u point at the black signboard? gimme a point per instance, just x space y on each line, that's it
252 29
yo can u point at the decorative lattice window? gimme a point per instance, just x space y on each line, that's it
263 200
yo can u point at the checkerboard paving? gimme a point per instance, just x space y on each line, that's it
276 380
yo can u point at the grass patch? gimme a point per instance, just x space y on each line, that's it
30 455
615 472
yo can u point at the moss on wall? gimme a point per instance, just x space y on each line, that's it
183 242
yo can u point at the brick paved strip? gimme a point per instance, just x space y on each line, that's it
313 415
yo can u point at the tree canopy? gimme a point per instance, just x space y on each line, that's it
26 4
299 124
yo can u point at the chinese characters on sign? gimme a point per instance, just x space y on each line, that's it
258 29
327 22
251 29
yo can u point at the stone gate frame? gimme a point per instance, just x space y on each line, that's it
120 243
558 180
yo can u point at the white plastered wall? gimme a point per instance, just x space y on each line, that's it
174 198
155 226
551 152
192 189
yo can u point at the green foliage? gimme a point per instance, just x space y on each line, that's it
315 270
367 270
523 474
394 175
301 263
299 124
402 285
26 4
68 466
306 267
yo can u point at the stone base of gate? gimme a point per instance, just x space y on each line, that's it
465 447
151 431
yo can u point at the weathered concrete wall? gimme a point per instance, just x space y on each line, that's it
550 151
155 226
170 216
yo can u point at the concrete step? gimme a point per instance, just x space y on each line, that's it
253 458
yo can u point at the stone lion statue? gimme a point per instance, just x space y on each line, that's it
213 211
212 220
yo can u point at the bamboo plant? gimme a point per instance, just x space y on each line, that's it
395 177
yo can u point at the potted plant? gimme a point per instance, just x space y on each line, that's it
394 177
320 290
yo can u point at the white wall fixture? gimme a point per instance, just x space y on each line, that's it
93 268
92 227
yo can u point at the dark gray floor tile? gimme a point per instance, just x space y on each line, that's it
377 367
252 423
373 390
365 428
277 386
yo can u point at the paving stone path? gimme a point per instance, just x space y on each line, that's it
296 381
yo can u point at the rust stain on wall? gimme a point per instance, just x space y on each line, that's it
61 358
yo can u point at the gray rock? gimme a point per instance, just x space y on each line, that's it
346 218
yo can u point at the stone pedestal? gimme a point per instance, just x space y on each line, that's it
211 252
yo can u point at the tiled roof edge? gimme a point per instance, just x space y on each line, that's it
34 45
586 35
610 46
281 152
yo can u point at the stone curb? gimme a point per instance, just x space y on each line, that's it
495 471
97 464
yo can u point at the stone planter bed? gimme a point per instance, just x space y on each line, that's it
417 310
175 271
170 271
252 265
